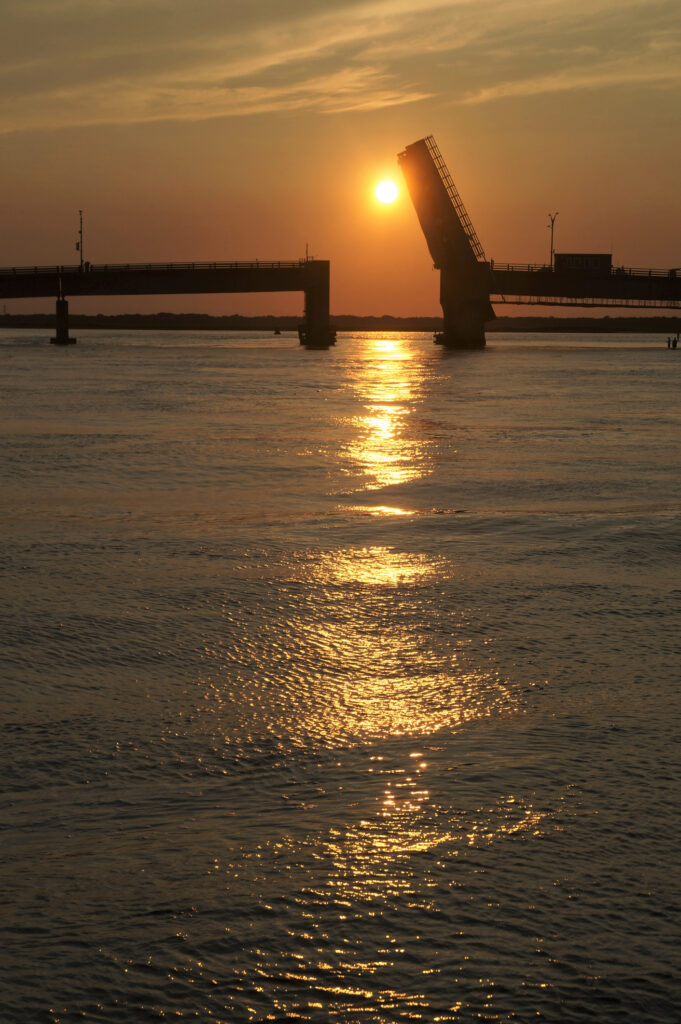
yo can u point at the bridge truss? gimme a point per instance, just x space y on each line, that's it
469 283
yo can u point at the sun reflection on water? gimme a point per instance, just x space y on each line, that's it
385 446
356 665
409 859
378 565
356 647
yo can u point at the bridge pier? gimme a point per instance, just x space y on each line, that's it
62 335
316 331
464 297
453 244
308 276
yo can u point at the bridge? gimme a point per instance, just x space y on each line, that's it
469 283
308 276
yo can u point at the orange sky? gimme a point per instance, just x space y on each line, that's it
226 130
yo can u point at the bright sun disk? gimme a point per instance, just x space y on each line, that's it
386 192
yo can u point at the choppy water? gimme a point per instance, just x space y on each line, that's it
340 686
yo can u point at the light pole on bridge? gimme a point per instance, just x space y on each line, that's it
552 218
79 243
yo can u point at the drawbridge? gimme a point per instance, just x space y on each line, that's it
308 276
469 283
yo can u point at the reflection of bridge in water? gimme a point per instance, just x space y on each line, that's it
469 283
308 276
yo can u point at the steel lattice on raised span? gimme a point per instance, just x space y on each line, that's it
468 282
453 244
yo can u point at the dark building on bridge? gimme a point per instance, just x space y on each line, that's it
469 284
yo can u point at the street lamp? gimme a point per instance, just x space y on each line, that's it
552 218
79 243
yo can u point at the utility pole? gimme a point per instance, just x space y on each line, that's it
79 243
552 218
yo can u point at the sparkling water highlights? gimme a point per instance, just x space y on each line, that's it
340 686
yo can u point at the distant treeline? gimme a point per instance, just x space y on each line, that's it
204 322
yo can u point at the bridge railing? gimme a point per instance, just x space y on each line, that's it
532 268
523 268
150 267
564 300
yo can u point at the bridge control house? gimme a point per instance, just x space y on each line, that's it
583 262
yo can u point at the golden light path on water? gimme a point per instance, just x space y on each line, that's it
400 686
389 385
357 669
286 743
362 666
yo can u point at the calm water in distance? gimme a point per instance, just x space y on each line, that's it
341 686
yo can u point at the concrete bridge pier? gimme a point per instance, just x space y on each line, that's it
309 276
464 296
316 331
62 336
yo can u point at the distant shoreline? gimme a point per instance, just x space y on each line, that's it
205 322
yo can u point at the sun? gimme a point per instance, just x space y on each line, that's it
386 192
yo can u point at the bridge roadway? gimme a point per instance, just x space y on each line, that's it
309 276
504 283
470 284
524 284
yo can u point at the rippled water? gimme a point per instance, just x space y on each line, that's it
340 686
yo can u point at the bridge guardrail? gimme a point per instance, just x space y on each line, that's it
107 267
525 268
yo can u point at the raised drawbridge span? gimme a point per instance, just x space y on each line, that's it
469 283
308 276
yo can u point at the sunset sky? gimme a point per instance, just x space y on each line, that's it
244 129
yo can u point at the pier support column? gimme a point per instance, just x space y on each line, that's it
464 296
62 335
316 330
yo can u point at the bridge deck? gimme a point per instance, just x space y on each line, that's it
634 287
308 276
161 278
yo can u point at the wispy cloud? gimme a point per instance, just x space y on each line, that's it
119 102
84 62
603 76
635 46
201 69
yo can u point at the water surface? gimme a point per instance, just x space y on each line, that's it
340 686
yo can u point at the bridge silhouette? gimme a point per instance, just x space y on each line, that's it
309 276
469 283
